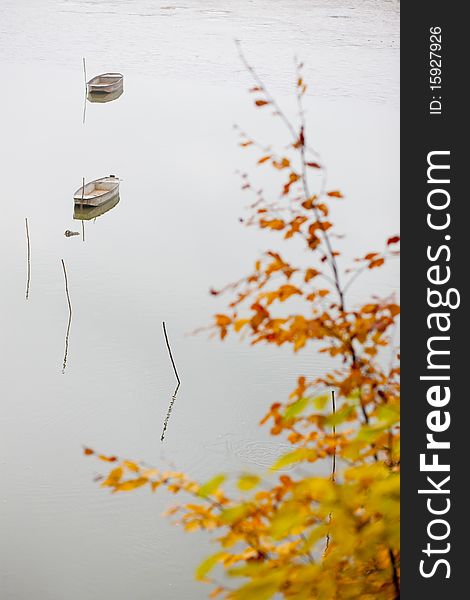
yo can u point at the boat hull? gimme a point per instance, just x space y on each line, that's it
108 83
97 192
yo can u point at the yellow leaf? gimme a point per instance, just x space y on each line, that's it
370 433
247 482
292 457
208 564
211 486
131 466
230 515
321 401
339 416
288 520
388 414
296 408
132 484
113 478
260 589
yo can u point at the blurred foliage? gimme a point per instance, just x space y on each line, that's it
304 537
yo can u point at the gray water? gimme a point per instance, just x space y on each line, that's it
174 234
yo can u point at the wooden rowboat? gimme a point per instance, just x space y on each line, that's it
86 213
105 83
98 191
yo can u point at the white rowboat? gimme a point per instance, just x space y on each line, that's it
98 191
105 83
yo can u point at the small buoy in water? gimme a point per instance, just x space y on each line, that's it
69 233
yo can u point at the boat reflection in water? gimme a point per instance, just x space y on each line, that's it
101 97
85 213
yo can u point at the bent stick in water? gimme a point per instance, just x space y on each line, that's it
29 259
173 398
70 317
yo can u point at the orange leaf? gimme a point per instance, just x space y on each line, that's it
282 164
310 274
276 224
238 325
369 308
222 320
261 102
107 458
264 159
378 262
335 194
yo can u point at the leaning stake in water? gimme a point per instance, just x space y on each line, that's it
70 317
28 280
84 102
173 398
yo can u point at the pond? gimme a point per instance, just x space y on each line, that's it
153 257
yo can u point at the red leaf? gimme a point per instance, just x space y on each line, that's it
314 165
393 240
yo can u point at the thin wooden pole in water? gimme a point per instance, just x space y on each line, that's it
28 280
169 352
83 193
84 110
83 230
173 398
85 77
70 316
333 466
84 70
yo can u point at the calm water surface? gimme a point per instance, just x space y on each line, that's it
153 257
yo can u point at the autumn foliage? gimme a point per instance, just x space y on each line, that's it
304 536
